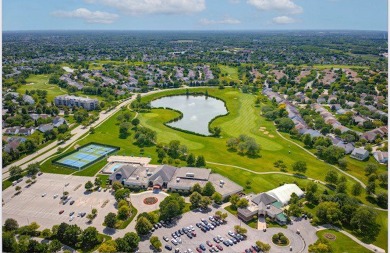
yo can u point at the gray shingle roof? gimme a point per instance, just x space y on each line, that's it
166 172
124 171
264 198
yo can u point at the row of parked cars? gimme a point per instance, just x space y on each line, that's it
213 222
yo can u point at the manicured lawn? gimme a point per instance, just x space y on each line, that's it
231 210
382 238
103 178
231 73
92 170
342 243
41 82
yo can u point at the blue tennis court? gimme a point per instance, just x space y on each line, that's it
85 155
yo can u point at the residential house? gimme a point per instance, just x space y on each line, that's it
28 99
46 127
380 156
360 154
58 121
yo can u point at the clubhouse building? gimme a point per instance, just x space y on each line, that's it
269 204
171 178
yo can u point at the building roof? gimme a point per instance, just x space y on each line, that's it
166 173
45 127
193 173
123 172
264 198
359 151
283 193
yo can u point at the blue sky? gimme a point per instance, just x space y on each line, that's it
194 14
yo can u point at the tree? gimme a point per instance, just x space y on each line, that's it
150 216
356 189
370 188
216 131
196 188
190 160
382 199
10 224
370 168
265 247
294 210
216 197
171 206
122 202
9 242
143 226
46 233
342 164
155 242
341 187
89 238
311 189
364 222
232 143
33 168
55 246
195 198
204 202
242 203
240 230
123 212
18 188
135 122
320 246
116 186
121 194
383 178
15 171
208 189
200 161
299 166
284 124
108 247
98 181
132 239
307 140
88 185
234 199
331 177
110 220
329 212
71 235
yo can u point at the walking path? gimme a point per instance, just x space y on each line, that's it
370 247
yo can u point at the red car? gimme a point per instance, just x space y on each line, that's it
209 244
61 211
199 250
193 234
219 247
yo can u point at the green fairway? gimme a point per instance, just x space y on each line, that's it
231 73
382 238
342 243
41 82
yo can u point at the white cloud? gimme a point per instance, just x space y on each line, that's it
287 6
139 7
283 20
88 16
225 21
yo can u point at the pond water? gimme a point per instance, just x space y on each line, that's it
197 111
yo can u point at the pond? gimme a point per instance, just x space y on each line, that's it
197 111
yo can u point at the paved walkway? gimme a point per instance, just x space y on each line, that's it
370 247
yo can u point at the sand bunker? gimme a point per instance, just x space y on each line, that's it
271 136
266 132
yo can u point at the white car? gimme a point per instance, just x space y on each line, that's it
43 194
55 196
174 242
71 218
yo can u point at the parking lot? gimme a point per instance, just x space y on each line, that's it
30 206
253 235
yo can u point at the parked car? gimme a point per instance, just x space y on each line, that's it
168 247
199 250
43 194
61 212
174 242
83 214
71 218
209 244
55 196
219 247
166 238
40 173
72 202
202 247
71 213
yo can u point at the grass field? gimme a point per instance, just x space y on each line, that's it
342 243
41 82
231 73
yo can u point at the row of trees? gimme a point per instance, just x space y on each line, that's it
70 235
